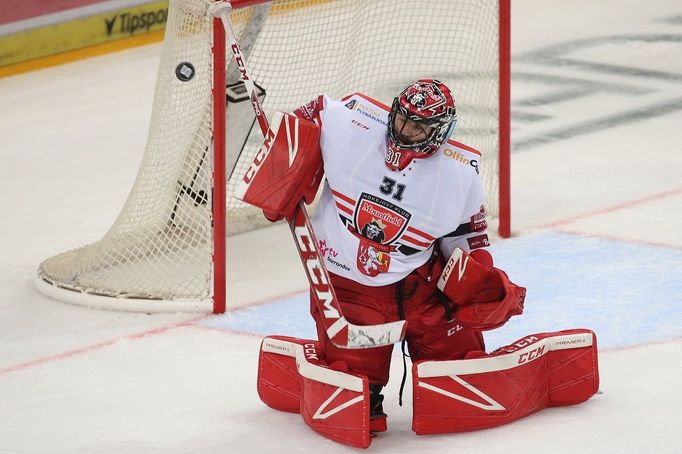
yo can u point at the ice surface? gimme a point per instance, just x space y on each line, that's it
597 218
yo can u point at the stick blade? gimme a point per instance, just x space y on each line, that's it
371 336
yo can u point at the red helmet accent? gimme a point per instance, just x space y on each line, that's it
426 102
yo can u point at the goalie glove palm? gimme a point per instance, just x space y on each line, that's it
485 298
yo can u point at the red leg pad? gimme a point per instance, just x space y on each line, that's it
337 413
333 403
538 371
279 383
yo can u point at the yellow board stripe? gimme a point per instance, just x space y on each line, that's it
94 35
80 54
98 29
284 6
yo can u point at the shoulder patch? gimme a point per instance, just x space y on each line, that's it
351 104
367 107
461 153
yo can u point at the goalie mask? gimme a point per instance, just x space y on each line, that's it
422 118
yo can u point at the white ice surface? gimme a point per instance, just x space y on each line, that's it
597 218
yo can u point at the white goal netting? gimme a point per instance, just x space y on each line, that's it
158 253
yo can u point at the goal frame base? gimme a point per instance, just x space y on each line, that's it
121 304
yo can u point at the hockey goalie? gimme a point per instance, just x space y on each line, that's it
401 229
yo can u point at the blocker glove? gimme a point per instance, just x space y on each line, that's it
285 169
484 297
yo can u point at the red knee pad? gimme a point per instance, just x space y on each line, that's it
372 362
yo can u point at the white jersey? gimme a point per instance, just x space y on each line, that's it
375 225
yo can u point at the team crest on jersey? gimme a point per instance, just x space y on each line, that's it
378 220
373 258
351 104
379 223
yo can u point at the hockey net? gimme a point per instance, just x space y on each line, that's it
159 253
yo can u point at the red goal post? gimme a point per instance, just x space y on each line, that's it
166 249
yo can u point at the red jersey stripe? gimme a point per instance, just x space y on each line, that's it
464 147
412 240
420 233
343 197
344 208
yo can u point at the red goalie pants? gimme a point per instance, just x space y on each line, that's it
429 333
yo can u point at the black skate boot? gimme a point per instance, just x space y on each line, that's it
377 417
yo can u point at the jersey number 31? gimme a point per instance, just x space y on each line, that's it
388 185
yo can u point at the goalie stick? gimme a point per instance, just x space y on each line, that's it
341 332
